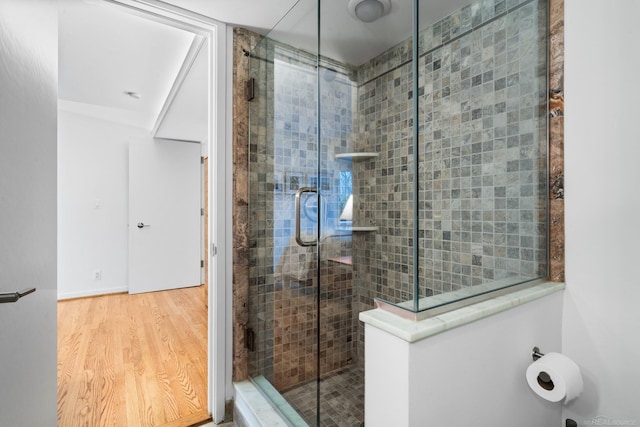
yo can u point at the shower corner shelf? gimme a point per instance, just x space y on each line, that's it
355 156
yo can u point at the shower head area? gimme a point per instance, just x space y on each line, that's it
397 153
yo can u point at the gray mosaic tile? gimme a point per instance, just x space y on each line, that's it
482 178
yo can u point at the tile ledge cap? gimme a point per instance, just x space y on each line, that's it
416 330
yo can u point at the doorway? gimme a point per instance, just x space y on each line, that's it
214 36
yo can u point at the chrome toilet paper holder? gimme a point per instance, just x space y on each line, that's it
535 353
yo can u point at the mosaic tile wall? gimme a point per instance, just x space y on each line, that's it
484 139
482 156
245 40
473 63
283 297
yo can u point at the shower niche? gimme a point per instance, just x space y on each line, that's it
408 155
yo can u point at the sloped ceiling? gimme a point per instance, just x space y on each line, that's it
104 52
187 116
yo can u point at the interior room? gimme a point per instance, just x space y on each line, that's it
411 212
132 156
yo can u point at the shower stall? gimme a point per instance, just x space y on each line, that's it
397 153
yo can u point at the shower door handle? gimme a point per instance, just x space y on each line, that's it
299 193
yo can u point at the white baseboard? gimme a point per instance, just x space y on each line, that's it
92 293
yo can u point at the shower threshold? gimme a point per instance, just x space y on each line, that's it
341 397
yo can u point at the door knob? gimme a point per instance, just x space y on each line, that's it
142 224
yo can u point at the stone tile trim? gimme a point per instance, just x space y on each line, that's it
556 140
242 39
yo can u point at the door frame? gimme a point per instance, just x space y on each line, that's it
216 32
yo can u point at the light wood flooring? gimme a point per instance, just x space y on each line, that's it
133 360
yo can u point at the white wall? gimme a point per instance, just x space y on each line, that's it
93 165
602 179
473 375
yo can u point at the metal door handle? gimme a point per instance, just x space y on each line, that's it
299 193
142 224
15 296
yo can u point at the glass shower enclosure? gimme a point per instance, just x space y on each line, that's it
398 153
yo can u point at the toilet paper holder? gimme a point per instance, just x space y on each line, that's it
535 354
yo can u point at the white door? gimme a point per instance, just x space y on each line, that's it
164 215
28 104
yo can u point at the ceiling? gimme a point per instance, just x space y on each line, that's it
105 52
348 40
343 37
257 15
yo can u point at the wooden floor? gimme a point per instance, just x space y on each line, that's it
133 360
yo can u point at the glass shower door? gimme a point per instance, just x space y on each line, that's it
301 321
341 376
285 209
317 190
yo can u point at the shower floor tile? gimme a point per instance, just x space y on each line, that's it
341 397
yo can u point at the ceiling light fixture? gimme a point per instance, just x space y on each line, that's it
134 95
369 10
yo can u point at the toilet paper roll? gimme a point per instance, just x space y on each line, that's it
555 377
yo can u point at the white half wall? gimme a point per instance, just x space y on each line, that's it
473 375
93 204
602 149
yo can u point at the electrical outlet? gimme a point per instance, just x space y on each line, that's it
97 274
